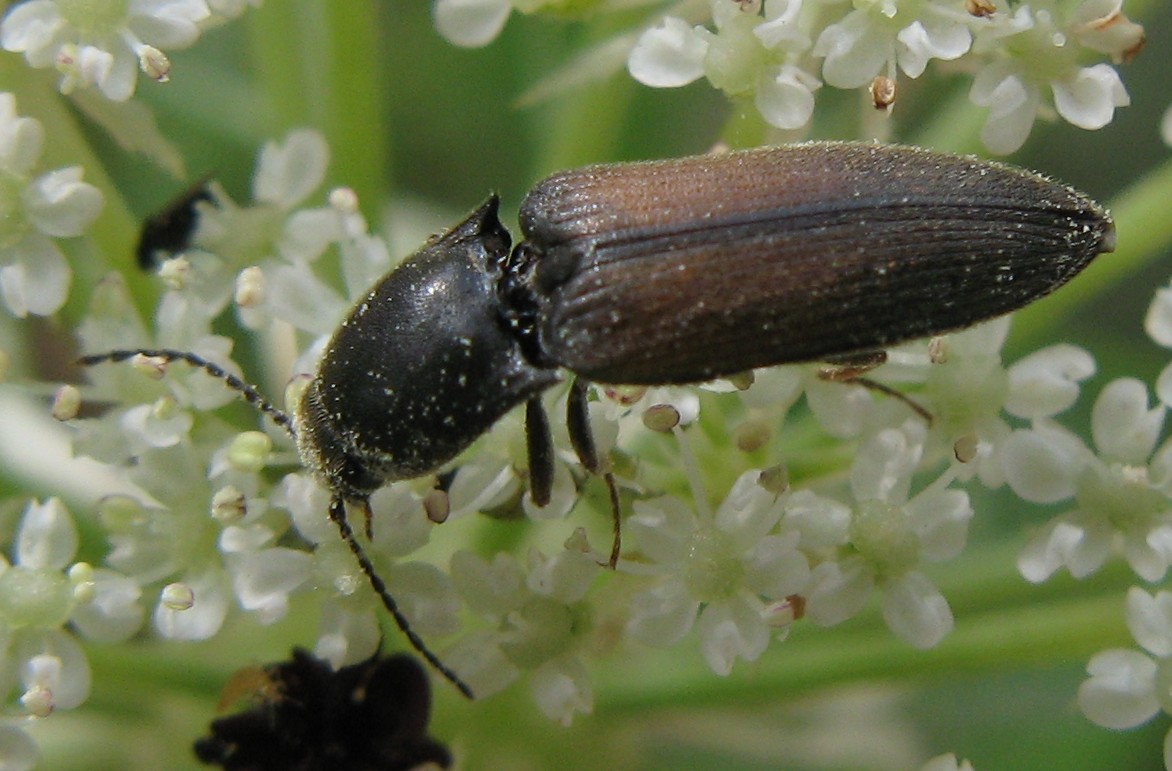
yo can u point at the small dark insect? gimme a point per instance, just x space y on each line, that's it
169 230
668 272
370 716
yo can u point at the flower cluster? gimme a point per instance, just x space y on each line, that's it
1024 60
106 44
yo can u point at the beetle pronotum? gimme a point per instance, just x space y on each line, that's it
673 271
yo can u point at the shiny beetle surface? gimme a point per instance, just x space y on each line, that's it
680 271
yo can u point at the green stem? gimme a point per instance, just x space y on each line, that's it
321 66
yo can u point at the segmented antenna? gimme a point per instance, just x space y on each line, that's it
250 394
338 515
337 510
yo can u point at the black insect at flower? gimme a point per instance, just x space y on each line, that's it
370 716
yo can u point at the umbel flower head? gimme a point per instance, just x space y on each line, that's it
777 54
102 44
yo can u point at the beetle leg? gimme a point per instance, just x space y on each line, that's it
539 444
578 424
851 368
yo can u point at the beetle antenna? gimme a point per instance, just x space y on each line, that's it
338 515
250 393
616 544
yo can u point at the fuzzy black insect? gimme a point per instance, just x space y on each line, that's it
170 229
305 716
668 272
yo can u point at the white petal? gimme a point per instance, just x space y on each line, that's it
204 618
729 630
30 26
662 615
562 689
307 504
669 55
916 610
1149 618
941 520
288 172
840 409
299 297
115 613
400 523
308 232
1088 98
1123 427
21 139
1158 321
263 580
1041 466
662 528
883 468
173 25
856 50
490 589
838 591
822 522
1045 383
1119 693
47 538
776 569
471 23
59 204
787 100
347 636
73 687
37 282
749 511
1013 104
1166 135
426 596
565 577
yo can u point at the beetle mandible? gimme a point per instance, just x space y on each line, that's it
667 272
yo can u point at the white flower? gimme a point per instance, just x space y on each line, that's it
1127 688
889 536
34 275
750 53
543 623
1121 494
877 36
720 571
103 44
1030 51
39 593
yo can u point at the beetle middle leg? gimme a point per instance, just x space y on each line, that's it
539 444
852 368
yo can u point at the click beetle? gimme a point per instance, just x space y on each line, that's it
666 272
